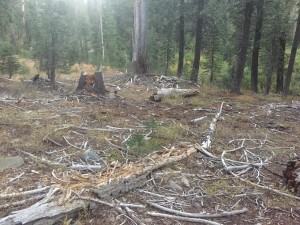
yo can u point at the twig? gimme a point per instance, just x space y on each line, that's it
22 202
87 167
116 207
51 140
207 143
187 219
266 188
130 214
31 192
16 178
72 144
42 159
17 107
198 119
197 215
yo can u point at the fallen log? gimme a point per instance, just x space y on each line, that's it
44 213
169 92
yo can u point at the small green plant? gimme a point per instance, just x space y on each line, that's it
151 124
136 143
24 69
9 64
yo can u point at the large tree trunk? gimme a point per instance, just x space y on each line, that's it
212 60
139 55
101 33
256 45
196 63
168 53
292 58
241 60
53 59
270 66
280 64
181 40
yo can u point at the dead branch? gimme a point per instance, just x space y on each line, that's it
22 202
42 159
12 105
207 143
118 207
187 219
268 188
197 215
25 193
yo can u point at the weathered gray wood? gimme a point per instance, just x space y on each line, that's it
166 92
43 213
99 84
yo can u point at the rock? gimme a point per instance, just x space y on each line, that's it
173 185
11 162
185 181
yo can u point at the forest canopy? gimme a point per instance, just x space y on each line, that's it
248 44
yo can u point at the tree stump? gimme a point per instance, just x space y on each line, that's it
81 82
292 176
91 84
99 83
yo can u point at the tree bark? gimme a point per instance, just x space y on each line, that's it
81 81
139 55
292 58
256 45
270 67
53 58
101 34
168 53
99 84
181 39
196 63
280 64
212 60
241 60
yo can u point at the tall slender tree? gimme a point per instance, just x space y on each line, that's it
181 39
272 59
139 55
292 58
241 60
256 45
280 64
196 63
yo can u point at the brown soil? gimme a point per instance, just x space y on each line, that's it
29 113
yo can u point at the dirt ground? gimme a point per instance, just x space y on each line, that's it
58 124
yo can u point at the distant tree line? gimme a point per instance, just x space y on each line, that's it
246 44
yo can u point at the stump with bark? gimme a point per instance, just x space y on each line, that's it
91 84
292 176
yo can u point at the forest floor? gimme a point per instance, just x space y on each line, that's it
58 125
